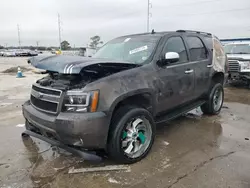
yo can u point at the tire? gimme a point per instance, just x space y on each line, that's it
210 106
122 117
248 84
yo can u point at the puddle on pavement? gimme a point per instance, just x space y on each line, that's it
34 163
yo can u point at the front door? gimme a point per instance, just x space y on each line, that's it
176 80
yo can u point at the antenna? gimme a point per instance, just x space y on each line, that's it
149 14
59 31
18 33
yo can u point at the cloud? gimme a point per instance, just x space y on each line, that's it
112 18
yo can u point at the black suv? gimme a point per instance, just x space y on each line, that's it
114 100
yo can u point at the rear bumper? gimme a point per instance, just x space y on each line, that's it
86 130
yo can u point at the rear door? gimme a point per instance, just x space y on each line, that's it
200 62
176 79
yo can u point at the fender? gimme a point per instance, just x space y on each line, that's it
144 91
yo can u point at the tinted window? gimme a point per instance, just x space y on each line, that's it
175 44
196 48
209 42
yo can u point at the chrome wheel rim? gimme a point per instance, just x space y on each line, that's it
218 99
136 137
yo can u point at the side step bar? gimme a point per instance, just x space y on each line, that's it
84 154
176 113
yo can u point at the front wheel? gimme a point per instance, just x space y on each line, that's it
215 100
132 134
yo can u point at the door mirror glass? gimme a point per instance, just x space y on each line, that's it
171 57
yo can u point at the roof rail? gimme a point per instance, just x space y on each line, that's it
190 31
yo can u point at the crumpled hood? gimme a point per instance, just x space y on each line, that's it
70 64
238 56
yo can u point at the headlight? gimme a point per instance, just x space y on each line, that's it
78 101
245 65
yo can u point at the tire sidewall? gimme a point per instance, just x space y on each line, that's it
119 127
211 98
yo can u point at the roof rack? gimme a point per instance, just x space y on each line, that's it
190 31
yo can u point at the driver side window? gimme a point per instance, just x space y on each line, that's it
175 44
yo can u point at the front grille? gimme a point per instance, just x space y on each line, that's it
45 99
234 66
47 91
43 105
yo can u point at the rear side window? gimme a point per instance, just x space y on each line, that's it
196 48
209 42
175 44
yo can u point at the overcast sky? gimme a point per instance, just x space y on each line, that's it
82 19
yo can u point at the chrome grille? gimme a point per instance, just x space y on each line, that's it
234 66
45 99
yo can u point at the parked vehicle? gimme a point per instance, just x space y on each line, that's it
114 100
9 53
24 53
2 52
239 61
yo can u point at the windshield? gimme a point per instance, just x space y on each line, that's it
237 49
134 49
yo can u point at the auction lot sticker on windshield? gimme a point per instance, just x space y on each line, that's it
138 50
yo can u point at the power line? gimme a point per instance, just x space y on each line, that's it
193 3
214 12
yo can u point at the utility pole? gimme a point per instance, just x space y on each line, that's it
59 30
18 33
149 14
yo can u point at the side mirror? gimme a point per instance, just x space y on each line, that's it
170 57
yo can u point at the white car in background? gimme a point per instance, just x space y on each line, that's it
2 51
9 53
238 54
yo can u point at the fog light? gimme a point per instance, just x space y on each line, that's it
70 109
79 143
81 109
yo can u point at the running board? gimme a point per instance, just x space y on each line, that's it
84 154
175 113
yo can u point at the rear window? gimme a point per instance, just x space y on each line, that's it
196 48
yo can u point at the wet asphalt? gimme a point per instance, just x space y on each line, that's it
192 151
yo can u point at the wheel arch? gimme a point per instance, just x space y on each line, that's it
218 77
142 98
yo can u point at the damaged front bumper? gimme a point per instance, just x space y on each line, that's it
237 76
67 130
84 154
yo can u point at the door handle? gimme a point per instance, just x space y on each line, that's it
189 71
209 66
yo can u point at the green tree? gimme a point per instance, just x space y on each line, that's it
65 45
1 47
95 41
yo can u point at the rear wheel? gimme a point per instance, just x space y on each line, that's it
215 100
132 134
